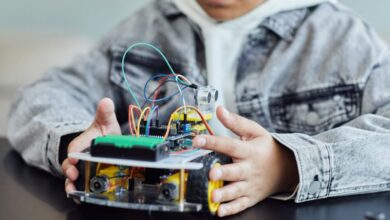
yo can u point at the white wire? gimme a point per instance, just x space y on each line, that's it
181 93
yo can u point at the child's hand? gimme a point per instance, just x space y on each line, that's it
261 166
105 123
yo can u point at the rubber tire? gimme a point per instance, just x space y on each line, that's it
197 184
224 159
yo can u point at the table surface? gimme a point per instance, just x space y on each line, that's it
29 193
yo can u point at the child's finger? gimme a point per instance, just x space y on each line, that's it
73 161
105 114
230 192
230 172
72 173
239 125
70 170
65 165
228 146
84 139
105 123
69 186
234 206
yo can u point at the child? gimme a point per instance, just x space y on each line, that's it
308 78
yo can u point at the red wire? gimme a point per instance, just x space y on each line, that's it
161 83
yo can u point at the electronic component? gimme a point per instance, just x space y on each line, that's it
109 179
130 147
99 184
198 128
180 142
170 187
158 131
192 116
186 128
170 191
191 121
205 98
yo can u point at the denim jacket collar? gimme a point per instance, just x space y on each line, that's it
284 24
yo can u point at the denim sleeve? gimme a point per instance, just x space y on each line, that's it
353 158
61 103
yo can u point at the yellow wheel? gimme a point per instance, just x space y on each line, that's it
213 206
200 188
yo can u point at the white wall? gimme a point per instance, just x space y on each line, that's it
376 13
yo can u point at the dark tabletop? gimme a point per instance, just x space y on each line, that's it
28 193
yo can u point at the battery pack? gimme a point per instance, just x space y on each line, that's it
130 147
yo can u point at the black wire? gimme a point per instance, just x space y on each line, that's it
154 91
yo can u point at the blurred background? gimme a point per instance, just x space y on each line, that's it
36 35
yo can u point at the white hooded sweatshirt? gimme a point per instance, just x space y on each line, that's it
224 42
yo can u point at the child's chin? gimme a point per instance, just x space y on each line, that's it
219 3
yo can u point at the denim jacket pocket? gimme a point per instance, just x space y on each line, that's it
315 111
251 105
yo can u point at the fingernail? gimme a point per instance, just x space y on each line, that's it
221 212
200 142
68 172
217 196
72 160
217 174
225 112
69 189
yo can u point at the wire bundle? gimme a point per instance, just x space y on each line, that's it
146 113
163 57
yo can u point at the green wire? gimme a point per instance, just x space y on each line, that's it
123 66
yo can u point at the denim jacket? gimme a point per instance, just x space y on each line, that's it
317 78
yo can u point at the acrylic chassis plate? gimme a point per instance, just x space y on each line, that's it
174 161
131 203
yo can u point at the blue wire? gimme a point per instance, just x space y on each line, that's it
163 57
165 98
151 95
147 128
